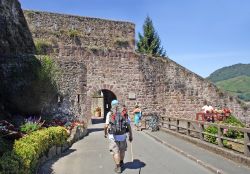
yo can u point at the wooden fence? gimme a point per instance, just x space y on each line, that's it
196 129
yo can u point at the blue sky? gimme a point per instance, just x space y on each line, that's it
201 35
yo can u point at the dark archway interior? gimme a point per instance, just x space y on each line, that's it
108 96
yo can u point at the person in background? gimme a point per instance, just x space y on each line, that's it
207 109
137 117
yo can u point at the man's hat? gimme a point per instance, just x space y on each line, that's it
114 102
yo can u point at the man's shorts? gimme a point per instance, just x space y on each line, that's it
117 146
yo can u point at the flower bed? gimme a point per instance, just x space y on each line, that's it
229 133
26 152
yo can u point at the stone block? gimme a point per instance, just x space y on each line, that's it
58 150
65 146
52 152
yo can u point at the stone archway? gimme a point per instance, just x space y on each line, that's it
109 93
108 96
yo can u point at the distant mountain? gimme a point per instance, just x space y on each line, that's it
239 86
230 72
235 79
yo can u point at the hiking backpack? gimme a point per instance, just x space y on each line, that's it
118 122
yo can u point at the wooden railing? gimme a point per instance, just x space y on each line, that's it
196 129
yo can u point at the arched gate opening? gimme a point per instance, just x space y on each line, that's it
101 103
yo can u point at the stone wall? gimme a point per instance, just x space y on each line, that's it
71 88
17 74
161 86
176 91
81 31
15 38
16 60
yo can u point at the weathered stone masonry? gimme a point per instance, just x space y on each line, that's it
161 86
16 45
100 55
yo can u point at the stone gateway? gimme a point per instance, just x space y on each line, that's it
97 61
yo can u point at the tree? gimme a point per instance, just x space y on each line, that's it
150 42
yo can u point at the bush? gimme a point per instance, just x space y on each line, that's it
31 147
233 121
31 125
234 134
212 130
5 145
10 163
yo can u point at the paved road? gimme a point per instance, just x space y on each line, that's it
91 156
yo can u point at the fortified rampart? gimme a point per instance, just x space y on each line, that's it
98 55
160 85
81 31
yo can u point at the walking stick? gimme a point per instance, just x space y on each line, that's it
131 150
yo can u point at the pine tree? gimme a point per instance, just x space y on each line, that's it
150 42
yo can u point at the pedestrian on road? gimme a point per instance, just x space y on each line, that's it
116 127
137 117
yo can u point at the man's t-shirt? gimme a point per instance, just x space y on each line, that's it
207 108
115 137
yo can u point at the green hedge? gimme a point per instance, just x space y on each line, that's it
234 134
29 149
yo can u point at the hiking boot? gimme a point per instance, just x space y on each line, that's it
118 169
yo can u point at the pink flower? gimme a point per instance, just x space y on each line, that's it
225 131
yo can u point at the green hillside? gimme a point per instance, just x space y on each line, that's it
230 72
239 86
235 79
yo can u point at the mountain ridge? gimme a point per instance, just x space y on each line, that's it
234 79
229 72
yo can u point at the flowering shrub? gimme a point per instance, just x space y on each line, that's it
234 134
31 124
233 121
68 122
212 130
30 148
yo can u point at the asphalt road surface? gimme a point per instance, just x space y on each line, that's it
91 156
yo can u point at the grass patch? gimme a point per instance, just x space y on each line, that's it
72 33
42 46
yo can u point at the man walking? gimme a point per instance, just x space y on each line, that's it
116 126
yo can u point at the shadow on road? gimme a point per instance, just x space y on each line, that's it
136 164
46 168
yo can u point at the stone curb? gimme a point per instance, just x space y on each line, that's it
235 157
202 163
77 134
